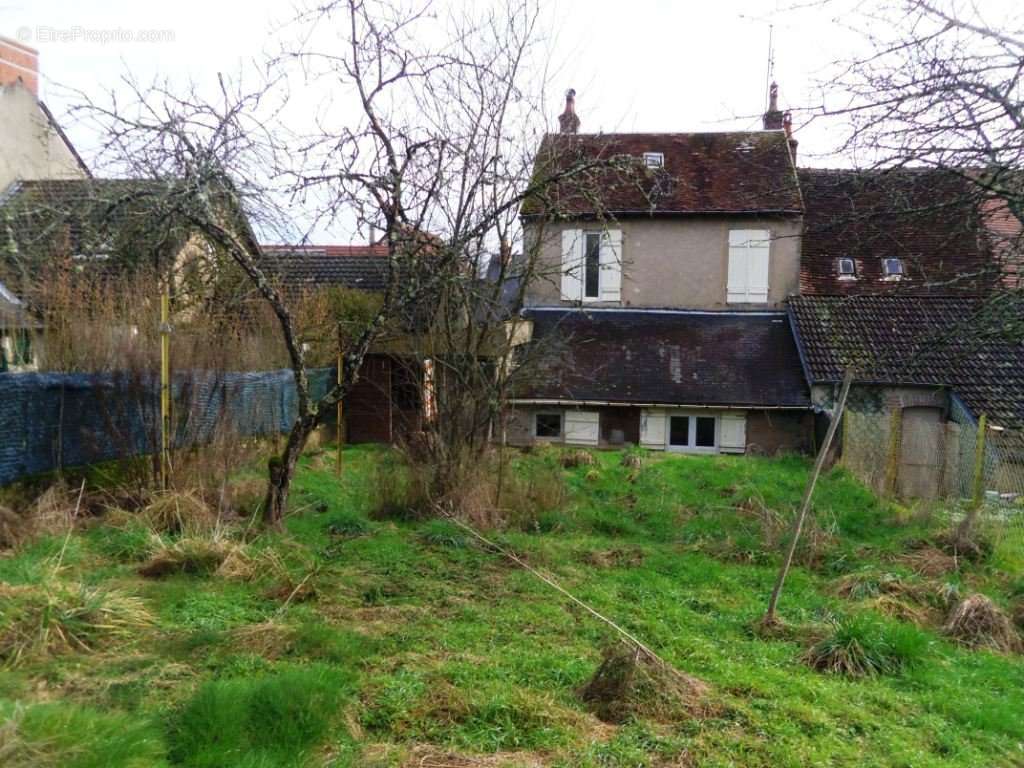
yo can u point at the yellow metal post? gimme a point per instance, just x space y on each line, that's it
165 388
892 464
341 416
979 461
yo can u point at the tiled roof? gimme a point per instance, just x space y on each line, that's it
666 357
736 172
935 340
352 266
928 218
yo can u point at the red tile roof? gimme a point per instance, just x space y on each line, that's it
735 172
930 219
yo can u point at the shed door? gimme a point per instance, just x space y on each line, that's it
922 453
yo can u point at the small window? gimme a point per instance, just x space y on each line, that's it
846 267
892 268
705 432
693 433
654 159
679 431
592 266
548 425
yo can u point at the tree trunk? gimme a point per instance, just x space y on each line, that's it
282 469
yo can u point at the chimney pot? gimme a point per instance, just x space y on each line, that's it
773 117
569 121
19 63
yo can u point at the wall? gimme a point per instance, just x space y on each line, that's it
30 147
773 432
675 262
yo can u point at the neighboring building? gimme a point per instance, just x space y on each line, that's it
32 144
18 329
697 235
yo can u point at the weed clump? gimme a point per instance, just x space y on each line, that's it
58 616
181 512
630 683
193 555
977 622
577 458
861 646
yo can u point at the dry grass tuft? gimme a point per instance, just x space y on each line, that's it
897 608
977 622
270 639
620 557
427 756
62 616
631 461
193 555
930 562
577 458
629 683
183 512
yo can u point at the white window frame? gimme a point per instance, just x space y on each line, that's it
587 234
893 275
692 446
654 159
561 425
852 274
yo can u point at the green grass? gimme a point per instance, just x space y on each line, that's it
418 638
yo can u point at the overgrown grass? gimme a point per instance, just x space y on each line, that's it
413 644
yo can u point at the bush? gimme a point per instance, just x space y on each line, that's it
977 622
56 616
270 720
863 646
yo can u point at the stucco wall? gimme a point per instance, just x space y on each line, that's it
29 146
677 262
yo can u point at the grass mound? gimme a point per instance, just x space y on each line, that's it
629 683
268 720
862 646
58 616
182 512
192 555
977 622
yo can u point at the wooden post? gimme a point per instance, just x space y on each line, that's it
805 504
978 495
892 465
341 414
165 388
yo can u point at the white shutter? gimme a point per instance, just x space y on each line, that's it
652 429
611 265
733 432
582 427
747 281
572 264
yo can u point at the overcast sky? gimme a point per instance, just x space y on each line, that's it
652 65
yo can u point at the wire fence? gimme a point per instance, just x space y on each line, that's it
920 445
49 421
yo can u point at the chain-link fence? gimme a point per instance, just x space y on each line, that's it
51 420
924 444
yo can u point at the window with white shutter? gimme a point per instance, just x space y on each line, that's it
749 262
591 265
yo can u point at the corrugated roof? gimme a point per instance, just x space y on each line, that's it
734 172
934 340
666 357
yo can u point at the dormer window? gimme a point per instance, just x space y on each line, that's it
847 268
654 159
892 268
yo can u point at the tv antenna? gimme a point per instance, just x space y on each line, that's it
771 63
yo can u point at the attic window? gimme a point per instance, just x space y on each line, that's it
892 268
654 159
847 268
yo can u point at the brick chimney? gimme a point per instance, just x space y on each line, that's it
773 117
787 126
569 121
18 62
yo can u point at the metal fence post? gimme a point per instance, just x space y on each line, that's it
165 388
892 465
979 462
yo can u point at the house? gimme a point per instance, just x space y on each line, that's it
665 265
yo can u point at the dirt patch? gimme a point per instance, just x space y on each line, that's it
630 683
620 557
977 622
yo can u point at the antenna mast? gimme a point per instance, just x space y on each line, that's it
771 62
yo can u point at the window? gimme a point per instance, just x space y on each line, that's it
747 281
692 433
592 266
654 159
846 267
892 268
548 425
